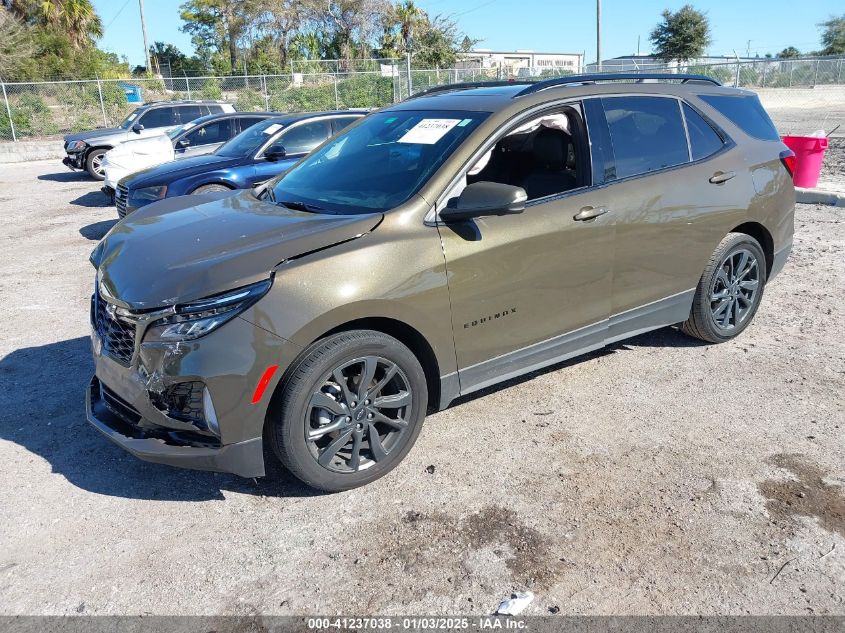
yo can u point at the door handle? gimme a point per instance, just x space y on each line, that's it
719 177
589 213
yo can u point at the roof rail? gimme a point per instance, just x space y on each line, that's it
466 85
567 80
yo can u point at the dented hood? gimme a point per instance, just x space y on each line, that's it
186 248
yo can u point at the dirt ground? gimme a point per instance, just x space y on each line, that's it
661 476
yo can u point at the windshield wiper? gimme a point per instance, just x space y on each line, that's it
271 195
300 206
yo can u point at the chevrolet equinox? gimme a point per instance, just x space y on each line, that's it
446 243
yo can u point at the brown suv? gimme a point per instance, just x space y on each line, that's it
435 247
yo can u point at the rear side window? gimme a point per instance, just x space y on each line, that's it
647 134
189 113
304 137
214 132
703 139
248 121
342 121
159 117
213 108
746 112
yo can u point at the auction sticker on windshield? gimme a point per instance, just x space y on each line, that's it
429 131
272 129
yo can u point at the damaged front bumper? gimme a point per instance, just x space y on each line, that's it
112 416
74 161
188 404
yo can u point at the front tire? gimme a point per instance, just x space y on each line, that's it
94 163
349 411
210 189
729 291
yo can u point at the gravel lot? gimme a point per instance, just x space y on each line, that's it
661 476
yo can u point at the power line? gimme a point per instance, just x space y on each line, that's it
116 15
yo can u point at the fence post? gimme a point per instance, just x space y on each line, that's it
336 100
9 112
102 105
815 73
736 79
839 72
266 94
408 62
791 69
187 84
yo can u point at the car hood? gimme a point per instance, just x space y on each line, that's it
141 153
190 247
168 172
93 134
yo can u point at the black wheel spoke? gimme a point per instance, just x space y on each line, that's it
397 423
355 458
370 366
343 383
324 401
331 450
388 376
376 447
395 401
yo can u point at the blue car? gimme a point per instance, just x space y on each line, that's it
252 157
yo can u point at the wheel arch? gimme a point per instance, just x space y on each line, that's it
763 236
406 334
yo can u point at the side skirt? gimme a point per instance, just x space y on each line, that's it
651 316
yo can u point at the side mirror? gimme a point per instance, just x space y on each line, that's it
137 128
183 143
484 198
275 152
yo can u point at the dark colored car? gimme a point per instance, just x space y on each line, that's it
251 158
434 248
85 149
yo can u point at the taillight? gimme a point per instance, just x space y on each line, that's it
787 157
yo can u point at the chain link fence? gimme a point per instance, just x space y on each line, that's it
44 109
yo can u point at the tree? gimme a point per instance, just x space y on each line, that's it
833 36
408 17
77 18
16 45
439 43
682 35
218 25
789 52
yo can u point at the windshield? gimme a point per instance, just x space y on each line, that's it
250 140
376 165
128 121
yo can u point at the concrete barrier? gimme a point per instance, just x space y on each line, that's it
25 151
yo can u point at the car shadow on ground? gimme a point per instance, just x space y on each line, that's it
66 176
42 409
97 230
92 199
664 337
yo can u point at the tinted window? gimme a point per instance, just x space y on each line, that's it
248 121
342 121
216 132
159 117
703 139
189 113
250 139
305 137
379 163
213 108
746 113
647 134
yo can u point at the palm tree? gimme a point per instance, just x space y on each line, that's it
77 18
408 16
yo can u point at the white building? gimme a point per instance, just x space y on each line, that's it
529 60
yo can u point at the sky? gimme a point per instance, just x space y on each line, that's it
540 25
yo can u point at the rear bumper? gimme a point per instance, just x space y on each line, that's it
779 260
241 458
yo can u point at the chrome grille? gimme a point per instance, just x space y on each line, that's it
121 197
117 335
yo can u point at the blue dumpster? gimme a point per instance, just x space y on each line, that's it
133 93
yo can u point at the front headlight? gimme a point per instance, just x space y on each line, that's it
149 194
76 146
193 320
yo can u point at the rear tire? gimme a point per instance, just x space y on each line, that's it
729 291
349 411
210 189
94 163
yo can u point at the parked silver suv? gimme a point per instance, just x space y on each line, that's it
85 150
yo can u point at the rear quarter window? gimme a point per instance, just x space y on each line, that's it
746 112
703 139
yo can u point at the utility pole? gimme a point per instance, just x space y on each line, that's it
598 35
748 49
144 31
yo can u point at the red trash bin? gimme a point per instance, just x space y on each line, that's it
809 154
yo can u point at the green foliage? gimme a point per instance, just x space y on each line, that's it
833 36
211 89
682 35
31 116
789 52
249 100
